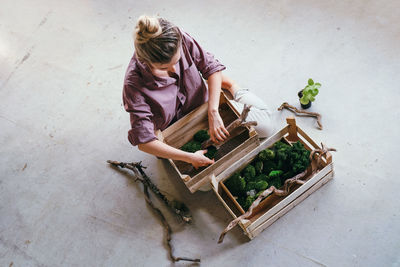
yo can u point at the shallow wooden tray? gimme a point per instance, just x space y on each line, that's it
242 140
273 207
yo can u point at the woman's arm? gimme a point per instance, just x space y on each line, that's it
160 149
216 125
210 69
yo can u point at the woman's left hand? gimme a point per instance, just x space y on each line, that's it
217 130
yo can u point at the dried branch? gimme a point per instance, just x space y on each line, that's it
239 122
302 113
179 208
141 176
281 192
167 227
320 153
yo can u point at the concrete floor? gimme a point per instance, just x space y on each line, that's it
61 118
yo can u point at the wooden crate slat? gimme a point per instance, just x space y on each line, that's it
239 152
283 211
214 186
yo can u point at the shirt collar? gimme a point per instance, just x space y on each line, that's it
152 81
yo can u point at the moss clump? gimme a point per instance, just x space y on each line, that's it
261 185
248 202
271 167
191 146
211 151
195 144
266 154
236 184
249 172
259 165
201 136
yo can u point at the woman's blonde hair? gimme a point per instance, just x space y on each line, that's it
156 40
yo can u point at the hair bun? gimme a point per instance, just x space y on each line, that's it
147 28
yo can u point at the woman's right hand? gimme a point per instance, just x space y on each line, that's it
198 159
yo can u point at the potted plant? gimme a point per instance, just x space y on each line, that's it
307 95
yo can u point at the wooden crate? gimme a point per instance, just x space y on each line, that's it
273 207
242 140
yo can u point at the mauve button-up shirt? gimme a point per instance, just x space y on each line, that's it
155 102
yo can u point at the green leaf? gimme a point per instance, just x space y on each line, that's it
312 99
310 81
317 85
304 100
314 92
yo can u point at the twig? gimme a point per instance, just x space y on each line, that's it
286 188
319 153
179 208
239 122
167 227
302 113
137 168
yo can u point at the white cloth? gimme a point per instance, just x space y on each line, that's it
244 96
259 112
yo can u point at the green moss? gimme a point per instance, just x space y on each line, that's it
248 202
250 186
277 182
261 185
236 184
269 166
275 174
211 151
266 154
249 172
191 146
201 136
259 166
262 177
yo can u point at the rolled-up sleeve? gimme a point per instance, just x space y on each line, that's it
142 130
204 61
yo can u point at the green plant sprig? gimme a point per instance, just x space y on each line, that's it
309 92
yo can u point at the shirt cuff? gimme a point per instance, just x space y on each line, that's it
212 68
142 133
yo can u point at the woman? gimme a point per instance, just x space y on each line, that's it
163 83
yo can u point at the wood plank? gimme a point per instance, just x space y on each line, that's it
214 186
200 179
183 130
189 118
254 232
223 187
232 107
307 138
184 177
292 129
